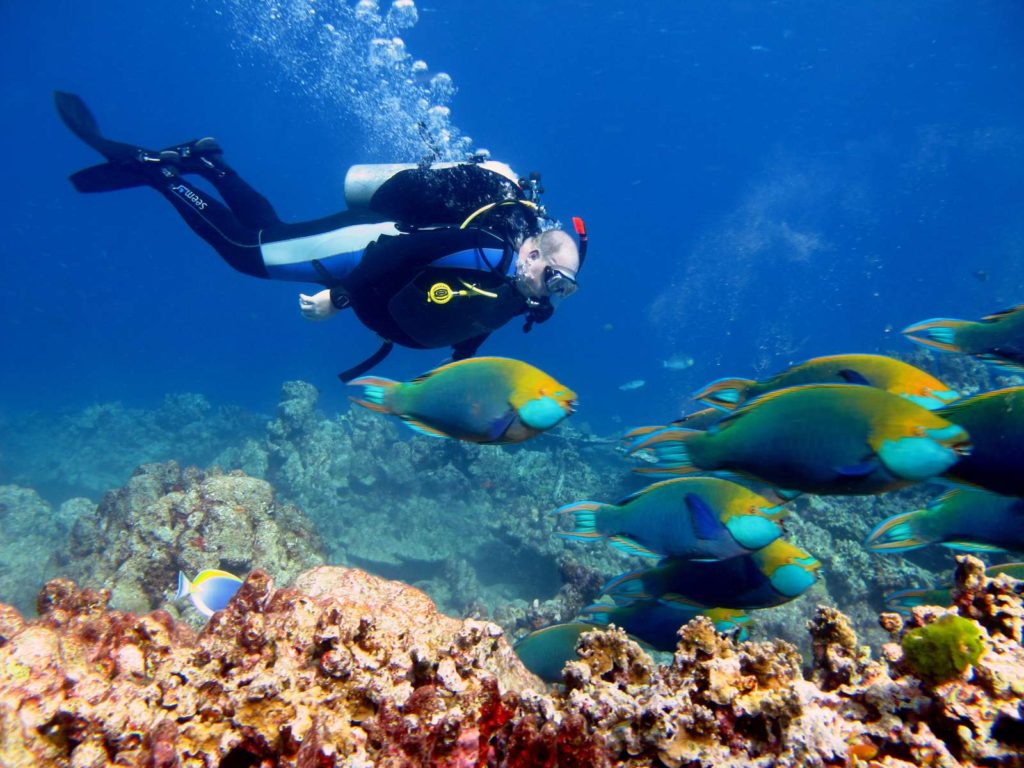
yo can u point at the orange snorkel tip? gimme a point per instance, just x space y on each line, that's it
581 233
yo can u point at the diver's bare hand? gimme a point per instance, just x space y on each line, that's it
318 306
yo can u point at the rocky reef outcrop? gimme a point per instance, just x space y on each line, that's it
167 519
345 669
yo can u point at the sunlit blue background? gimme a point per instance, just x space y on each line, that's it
763 182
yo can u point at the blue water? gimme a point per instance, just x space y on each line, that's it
763 182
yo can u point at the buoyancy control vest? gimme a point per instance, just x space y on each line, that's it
397 291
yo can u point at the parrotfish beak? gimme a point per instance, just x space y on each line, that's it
753 531
794 579
927 455
544 412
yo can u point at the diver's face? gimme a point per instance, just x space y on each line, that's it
539 276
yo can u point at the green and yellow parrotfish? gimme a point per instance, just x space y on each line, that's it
657 622
546 651
771 576
906 599
817 438
995 421
964 518
879 371
996 339
703 518
480 400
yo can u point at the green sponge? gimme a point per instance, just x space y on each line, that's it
943 649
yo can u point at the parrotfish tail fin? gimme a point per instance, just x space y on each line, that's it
184 586
627 587
896 534
1001 363
375 392
633 434
669 449
905 599
724 394
630 547
415 425
970 546
586 516
937 333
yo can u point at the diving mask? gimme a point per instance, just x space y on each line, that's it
558 282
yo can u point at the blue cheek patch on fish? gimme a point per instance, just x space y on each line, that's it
929 403
542 413
918 458
753 531
792 580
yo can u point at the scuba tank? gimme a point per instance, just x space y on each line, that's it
363 181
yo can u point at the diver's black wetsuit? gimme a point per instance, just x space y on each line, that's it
407 272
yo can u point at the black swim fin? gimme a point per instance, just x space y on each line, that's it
79 119
106 177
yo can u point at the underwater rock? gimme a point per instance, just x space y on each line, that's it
346 669
167 519
29 529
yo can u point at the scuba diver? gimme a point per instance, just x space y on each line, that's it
427 256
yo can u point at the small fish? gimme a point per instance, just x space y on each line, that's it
210 591
630 385
657 622
678 363
879 371
817 438
703 518
964 518
906 599
996 339
771 576
995 421
546 651
480 400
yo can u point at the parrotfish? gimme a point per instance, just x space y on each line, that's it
657 622
210 591
879 371
996 339
964 518
995 421
906 599
771 576
546 651
817 438
480 400
704 518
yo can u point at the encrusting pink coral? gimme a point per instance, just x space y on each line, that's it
345 669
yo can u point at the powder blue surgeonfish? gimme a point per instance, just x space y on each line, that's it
210 591
879 371
657 622
817 438
771 576
906 599
704 518
480 400
997 339
964 518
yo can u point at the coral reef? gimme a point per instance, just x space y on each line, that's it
167 519
29 527
96 449
347 669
